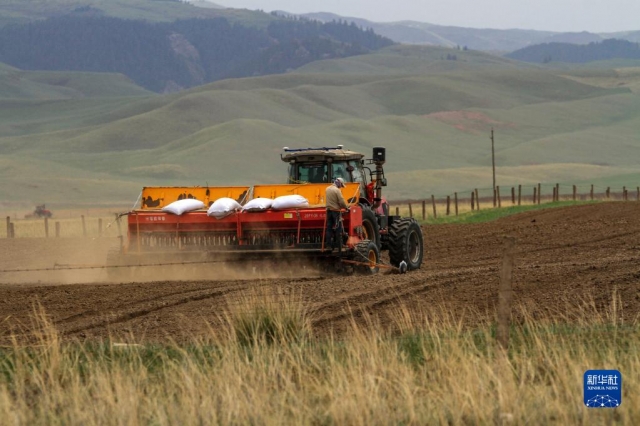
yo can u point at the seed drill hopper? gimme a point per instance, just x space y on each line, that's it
157 238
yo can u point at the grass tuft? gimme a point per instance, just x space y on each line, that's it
262 318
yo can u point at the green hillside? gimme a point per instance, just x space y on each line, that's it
169 57
37 102
433 114
573 53
414 60
18 84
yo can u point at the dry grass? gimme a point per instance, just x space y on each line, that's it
430 370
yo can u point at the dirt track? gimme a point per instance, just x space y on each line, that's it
563 255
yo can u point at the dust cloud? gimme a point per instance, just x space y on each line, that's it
41 261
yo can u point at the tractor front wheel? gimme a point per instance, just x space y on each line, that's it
370 227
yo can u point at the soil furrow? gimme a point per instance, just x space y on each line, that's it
563 255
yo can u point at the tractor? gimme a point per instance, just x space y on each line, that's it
39 212
157 237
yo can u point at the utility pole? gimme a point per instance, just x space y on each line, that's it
493 165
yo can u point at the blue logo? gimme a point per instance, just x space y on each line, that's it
602 388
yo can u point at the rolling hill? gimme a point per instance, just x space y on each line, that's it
567 52
18 84
432 113
44 101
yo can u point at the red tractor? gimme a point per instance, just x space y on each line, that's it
40 212
157 237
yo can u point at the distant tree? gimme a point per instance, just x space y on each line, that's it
565 52
182 53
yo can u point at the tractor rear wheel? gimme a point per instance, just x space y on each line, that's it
406 243
367 252
370 227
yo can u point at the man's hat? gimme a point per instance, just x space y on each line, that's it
339 182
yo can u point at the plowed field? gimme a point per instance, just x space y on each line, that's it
564 255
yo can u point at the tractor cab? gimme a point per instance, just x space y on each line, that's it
320 165
324 165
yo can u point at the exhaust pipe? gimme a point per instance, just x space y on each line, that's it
379 158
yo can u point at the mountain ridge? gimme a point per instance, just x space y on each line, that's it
21 12
485 39
167 57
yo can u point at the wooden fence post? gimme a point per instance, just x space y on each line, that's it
513 195
554 195
448 205
397 211
495 198
410 213
505 294
591 193
57 229
117 219
473 200
433 201
608 192
12 230
8 226
477 200
84 227
455 201
424 210
624 193
498 196
519 194
539 194
46 227
575 191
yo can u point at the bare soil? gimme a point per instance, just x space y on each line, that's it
564 256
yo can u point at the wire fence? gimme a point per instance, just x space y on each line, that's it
436 206
501 197
89 227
